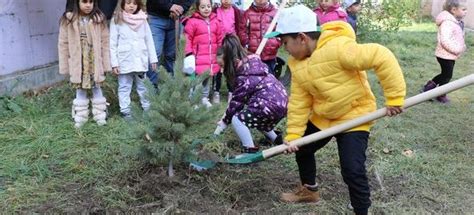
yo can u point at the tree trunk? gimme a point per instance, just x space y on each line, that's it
170 169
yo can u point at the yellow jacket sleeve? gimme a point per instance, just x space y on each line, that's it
360 57
299 109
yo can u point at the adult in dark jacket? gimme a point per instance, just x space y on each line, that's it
162 15
108 7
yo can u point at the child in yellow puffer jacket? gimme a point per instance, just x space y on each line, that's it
329 86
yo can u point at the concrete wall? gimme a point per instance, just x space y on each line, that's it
29 33
468 20
28 36
426 6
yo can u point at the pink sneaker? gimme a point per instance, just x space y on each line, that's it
429 86
443 99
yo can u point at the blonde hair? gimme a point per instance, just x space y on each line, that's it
118 13
450 4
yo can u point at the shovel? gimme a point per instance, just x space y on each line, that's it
412 101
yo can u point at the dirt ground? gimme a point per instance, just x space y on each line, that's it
226 189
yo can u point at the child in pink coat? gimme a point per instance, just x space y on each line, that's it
450 44
203 33
330 10
229 15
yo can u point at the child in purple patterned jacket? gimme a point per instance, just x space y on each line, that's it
258 101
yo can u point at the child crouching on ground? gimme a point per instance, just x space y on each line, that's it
258 101
329 86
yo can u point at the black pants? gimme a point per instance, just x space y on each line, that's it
271 65
217 83
351 147
447 67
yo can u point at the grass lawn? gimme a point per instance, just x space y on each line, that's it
47 166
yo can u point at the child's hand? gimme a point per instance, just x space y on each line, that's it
290 148
116 71
177 9
394 110
221 126
154 66
174 16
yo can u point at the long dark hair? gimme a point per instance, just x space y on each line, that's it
72 6
232 51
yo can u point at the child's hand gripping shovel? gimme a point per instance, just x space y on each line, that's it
251 158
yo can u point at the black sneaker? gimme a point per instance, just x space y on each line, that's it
264 142
267 142
250 150
279 138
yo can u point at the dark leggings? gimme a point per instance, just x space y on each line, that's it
351 146
447 67
217 83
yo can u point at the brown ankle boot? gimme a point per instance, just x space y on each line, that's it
301 195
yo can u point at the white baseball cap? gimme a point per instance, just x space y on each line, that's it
295 19
348 3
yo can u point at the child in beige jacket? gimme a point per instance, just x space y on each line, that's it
83 48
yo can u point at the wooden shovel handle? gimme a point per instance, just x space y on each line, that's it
270 28
412 101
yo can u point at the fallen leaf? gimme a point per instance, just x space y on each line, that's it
148 138
45 156
408 153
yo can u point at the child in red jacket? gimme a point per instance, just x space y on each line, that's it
329 10
253 26
203 33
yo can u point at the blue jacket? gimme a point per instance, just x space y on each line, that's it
352 19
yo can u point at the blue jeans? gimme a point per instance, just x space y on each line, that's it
163 31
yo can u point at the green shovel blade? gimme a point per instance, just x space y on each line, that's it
202 165
245 158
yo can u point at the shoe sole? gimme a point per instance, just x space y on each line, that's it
304 203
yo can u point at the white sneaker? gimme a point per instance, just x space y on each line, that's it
229 97
206 103
349 206
216 99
